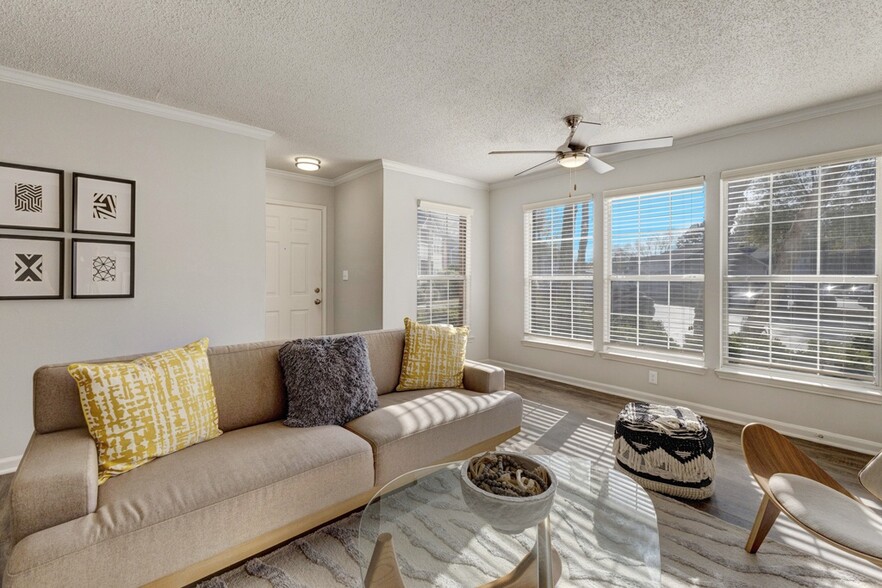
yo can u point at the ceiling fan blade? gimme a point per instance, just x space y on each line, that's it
510 152
579 139
610 148
598 166
576 139
535 166
565 146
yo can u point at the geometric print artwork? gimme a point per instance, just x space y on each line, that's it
28 267
103 269
28 198
103 205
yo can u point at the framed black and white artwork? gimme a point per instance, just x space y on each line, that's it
104 206
102 269
31 267
31 197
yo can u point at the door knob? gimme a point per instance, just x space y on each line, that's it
317 290
318 300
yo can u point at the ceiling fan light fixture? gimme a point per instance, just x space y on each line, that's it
307 163
572 159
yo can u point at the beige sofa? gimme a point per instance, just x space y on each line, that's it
186 515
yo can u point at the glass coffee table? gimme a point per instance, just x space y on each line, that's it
419 532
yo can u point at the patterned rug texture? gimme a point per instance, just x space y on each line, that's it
696 549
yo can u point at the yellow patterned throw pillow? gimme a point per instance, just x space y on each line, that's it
434 356
140 410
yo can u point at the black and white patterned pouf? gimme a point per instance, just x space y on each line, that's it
665 448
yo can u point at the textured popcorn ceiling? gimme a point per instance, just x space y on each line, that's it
439 84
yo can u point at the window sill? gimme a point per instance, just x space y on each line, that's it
667 363
556 345
847 390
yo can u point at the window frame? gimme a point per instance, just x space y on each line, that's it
828 385
689 361
577 346
465 278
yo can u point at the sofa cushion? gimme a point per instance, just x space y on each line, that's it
247 385
420 427
140 410
434 356
328 380
185 507
385 349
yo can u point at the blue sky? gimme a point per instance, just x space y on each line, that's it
652 214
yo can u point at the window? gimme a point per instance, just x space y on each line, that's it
559 271
655 268
443 242
801 284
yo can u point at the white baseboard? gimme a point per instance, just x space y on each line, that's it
797 431
8 465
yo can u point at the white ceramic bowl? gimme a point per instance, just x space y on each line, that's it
508 514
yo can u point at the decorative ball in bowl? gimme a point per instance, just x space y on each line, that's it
508 490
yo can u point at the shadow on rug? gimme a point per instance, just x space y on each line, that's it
696 550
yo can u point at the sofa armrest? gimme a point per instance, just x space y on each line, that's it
480 377
56 482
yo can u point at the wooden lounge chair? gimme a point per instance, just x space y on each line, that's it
792 483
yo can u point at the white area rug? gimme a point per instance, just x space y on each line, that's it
696 549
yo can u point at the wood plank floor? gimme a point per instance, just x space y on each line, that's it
736 498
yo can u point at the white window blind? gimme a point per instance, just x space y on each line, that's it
443 243
655 269
559 271
801 285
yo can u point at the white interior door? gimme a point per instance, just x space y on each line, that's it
295 297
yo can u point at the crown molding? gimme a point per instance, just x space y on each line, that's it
377 165
753 126
289 175
358 172
433 175
39 82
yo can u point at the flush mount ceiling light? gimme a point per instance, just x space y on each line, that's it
572 159
307 163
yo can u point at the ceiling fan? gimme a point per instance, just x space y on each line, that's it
575 151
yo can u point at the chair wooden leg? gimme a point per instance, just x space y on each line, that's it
765 518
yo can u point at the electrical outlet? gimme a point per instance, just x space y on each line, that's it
345 275
653 377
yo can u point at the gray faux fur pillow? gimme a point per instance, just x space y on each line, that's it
328 380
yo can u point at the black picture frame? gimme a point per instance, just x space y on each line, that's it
23 268
21 204
74 264
92 229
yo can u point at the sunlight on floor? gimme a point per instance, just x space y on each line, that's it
547 430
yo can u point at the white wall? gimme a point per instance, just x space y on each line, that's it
401 191
198 244
288 187
358 302
845 419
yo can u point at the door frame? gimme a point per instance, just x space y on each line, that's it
324 210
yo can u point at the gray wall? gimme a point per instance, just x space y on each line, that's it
289 188
401 191
806 414
358 213
199 240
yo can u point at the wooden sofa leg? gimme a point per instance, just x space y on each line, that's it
765 518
